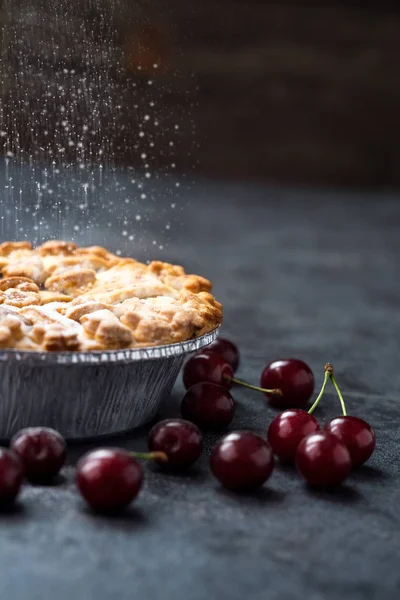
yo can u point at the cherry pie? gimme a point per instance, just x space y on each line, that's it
60 297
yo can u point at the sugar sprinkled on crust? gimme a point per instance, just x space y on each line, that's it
60 297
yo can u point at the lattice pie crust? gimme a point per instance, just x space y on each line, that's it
60 297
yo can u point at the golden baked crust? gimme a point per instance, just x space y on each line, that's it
60 297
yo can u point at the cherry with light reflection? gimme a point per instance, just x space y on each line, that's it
356 434
180 440
42 451
295 380
242 460
288 429
109 479
227 349
207 366
208 405
322 460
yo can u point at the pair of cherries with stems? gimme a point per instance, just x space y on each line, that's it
323 457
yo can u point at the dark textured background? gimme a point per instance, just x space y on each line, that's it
301 273
288 90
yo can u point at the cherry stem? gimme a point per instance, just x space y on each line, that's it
329 375
151 456
321 393
339 393
275 392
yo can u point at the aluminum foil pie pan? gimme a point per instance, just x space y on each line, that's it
88 394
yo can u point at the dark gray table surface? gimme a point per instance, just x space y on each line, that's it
301 273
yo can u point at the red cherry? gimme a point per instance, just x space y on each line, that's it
356 434
11 476
295 380
207 366
180 440
242 460
109 479
208 405
42 451
288 429
323 460
228 350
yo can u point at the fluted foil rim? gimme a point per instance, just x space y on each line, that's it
110 356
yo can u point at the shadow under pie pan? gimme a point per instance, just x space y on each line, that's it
88 394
